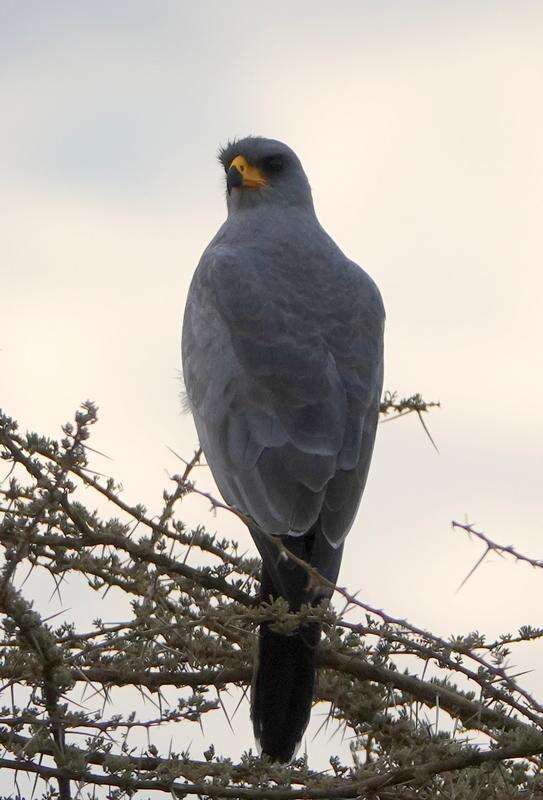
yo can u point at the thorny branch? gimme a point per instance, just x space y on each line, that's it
493 547
190 641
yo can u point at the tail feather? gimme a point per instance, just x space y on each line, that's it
284 674
283 684
283 689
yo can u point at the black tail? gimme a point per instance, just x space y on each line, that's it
283 685
284 674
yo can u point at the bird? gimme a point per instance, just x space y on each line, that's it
282 359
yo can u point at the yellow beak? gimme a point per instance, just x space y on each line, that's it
251 177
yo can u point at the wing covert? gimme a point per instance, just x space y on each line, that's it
283 383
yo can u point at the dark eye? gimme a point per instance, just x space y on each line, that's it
273 164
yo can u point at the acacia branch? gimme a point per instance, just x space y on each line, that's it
493 547
415 775
194 627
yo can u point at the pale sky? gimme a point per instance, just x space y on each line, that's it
420 127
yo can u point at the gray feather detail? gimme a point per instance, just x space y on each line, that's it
344 491
282 360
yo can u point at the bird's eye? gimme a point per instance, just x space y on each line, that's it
273 164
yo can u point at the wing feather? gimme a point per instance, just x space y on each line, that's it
284 386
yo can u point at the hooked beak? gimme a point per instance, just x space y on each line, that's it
233 179
242 174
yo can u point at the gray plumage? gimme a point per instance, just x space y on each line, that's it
283 362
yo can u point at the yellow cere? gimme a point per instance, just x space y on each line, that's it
252 177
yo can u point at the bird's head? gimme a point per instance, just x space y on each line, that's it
261 172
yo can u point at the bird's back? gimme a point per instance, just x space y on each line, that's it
282 359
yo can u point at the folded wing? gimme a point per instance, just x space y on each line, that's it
284 377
